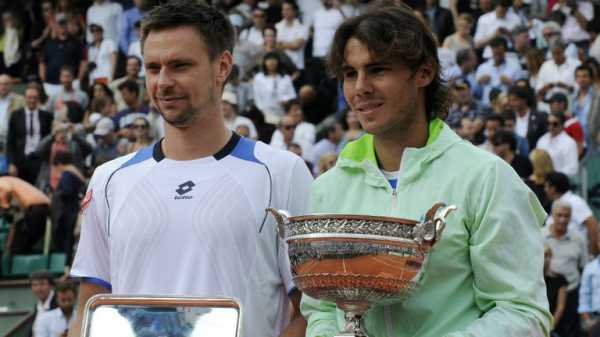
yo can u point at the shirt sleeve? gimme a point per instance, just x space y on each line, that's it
571 158
506 220
92 257
297 204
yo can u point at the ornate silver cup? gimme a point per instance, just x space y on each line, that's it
356 260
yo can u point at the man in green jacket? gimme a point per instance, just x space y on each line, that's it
484 278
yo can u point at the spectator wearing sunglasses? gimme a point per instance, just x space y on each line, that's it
141 132
561 147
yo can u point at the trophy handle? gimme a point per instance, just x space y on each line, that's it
282 218
430 231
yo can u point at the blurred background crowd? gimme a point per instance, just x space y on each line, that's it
524 77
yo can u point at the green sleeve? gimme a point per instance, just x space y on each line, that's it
321 317
506 252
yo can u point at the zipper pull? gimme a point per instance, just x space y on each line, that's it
394 202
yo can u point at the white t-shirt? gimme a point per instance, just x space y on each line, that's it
550 72
157 226
252 35
270 92
109 16
304 135
571 30
102 57
325 22
522 124
286 33
563 151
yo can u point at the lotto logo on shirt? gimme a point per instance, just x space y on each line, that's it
184 188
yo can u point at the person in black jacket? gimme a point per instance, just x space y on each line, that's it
26 128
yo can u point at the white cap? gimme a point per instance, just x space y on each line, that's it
94 118
104 126
229 97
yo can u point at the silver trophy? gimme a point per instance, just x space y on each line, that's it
356 260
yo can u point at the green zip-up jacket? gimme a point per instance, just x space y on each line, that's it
483 278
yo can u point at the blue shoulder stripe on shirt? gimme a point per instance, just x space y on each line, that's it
245 150
140 156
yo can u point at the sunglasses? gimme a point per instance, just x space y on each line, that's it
554 124
139 126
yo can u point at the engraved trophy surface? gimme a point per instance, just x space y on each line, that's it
357 260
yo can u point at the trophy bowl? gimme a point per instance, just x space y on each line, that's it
359 260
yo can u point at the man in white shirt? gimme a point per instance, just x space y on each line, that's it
558 73
291 34
108 14
304 132
561 147
329 144
68 93
583 221
9 102
187 215
498 72
499 22
56 322
325 22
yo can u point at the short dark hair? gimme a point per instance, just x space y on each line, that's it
559 181
290 103
495 118
522 93
585 67
272 55
499 41
504 137
395 33
65 286
131 86
291 3
213 26
68 68
41 275
135 58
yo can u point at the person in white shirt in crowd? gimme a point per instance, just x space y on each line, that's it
254 34
109 15
272 88
551 30
561 147
583 221
558 73
498 72
324 23
9 102
102 55
42 282
304 132
56 322
67 93
132 69
578 14
229 107
287 132
569 256
329 144
12 51
499 22
244 8
466 63
291 33
135 49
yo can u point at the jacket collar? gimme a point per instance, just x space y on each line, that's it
360 154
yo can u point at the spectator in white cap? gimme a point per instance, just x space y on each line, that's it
102 55
229 107
106 147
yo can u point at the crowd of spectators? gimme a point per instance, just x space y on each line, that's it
524 77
